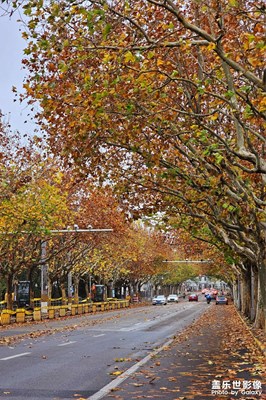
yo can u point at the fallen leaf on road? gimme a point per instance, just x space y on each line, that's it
116 373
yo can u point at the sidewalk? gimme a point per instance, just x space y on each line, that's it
215 358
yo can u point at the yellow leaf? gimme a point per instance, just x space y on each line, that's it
211 46
129 56
160 62
116 373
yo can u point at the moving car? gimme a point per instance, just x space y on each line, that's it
172 298
193 297
221 300
160 299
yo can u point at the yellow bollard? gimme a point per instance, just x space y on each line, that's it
37 315
51 313
20 315
74 309
86 308
5 318
62 312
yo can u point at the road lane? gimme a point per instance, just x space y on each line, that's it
82 361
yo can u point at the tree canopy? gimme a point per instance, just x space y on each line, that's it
164 102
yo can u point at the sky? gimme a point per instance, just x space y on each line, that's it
12 74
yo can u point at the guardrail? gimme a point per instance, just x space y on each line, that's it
21 315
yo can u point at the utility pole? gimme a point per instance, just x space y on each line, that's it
44 279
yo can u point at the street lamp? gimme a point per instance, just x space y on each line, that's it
188 261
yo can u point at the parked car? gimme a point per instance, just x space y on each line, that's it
172 298
221 300
160 299
193 297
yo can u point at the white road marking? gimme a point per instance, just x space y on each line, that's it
116 382
102 334
129 329
67 343
15 356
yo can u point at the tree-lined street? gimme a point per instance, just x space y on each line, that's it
146 176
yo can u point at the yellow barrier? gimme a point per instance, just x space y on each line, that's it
36 302
61 311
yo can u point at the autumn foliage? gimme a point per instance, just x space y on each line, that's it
166 104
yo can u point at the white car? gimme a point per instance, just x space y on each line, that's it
160 299
172 298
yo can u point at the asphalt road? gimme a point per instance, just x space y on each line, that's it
78 363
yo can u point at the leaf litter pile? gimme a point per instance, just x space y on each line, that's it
218 347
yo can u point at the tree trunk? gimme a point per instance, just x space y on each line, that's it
260 320
9 299
86 283
76 289
245 292
63 291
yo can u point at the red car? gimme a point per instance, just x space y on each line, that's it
193 297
